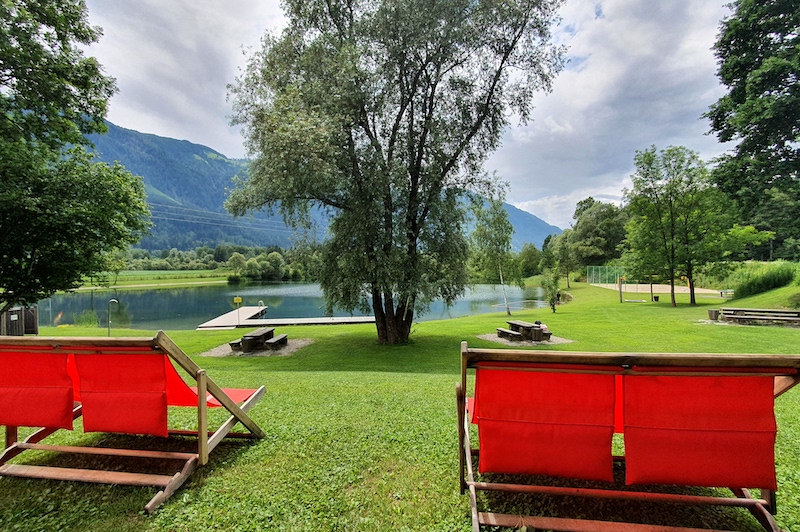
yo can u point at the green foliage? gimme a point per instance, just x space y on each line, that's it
759 59
491 244
794 300
756 278
530 259
66 218
599 230
382 119
63 215
87 318
550 283
50 93
679 220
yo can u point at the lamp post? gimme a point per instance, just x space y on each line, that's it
112 300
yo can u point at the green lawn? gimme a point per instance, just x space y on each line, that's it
362 437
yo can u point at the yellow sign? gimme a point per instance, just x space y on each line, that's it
237 300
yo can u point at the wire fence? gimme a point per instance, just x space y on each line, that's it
604 274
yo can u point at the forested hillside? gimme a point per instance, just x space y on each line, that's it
187 184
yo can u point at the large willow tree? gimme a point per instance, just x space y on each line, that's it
382 113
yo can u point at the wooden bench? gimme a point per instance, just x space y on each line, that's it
256 339
749 315
702 420
277 341
508 333
119 385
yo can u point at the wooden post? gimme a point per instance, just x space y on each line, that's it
202 417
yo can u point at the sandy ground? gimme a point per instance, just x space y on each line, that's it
629 288
225 350
524 343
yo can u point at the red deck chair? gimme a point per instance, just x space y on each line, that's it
120 385
688 419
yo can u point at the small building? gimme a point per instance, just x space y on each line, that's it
19 321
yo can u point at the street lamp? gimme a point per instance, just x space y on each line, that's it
112 300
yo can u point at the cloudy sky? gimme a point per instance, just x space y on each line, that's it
641 73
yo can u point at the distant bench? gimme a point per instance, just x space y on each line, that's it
277 341
748 315
508 333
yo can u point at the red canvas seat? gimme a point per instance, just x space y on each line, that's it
535 420
700 430
35 391
122 385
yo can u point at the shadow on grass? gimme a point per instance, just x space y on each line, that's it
650 513
37 504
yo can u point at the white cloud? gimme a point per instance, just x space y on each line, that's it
641 73
173 61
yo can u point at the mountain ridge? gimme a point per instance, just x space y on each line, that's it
187 183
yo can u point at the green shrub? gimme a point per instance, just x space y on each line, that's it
757 278
87 318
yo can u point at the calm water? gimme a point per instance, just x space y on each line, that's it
186 308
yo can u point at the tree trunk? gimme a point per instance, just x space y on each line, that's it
672 287
503 286
392 324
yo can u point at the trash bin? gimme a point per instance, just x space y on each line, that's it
655 298
713 314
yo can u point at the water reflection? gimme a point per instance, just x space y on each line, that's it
186 308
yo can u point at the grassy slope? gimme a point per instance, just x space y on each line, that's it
363 437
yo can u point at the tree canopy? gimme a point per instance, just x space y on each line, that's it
679 220
491 243
599 230
758 49
61 214
382 113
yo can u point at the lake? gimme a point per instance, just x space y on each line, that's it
186 308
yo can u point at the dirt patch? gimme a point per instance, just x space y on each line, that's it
291 346
525 343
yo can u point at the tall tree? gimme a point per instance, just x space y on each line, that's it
61 214
680 221
382 113
529 260
491 241
599 230
562 248
758 48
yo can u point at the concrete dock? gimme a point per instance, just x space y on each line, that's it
254 317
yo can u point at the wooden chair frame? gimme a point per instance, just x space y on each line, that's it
762 508
207 440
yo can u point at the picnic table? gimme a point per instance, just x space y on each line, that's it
529 331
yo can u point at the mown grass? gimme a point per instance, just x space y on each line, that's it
162 279
362 437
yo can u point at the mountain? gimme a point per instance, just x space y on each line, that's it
187 184
528 228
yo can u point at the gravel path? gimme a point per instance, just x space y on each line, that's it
225 350
517 343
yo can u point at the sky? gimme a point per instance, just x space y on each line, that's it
640 74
